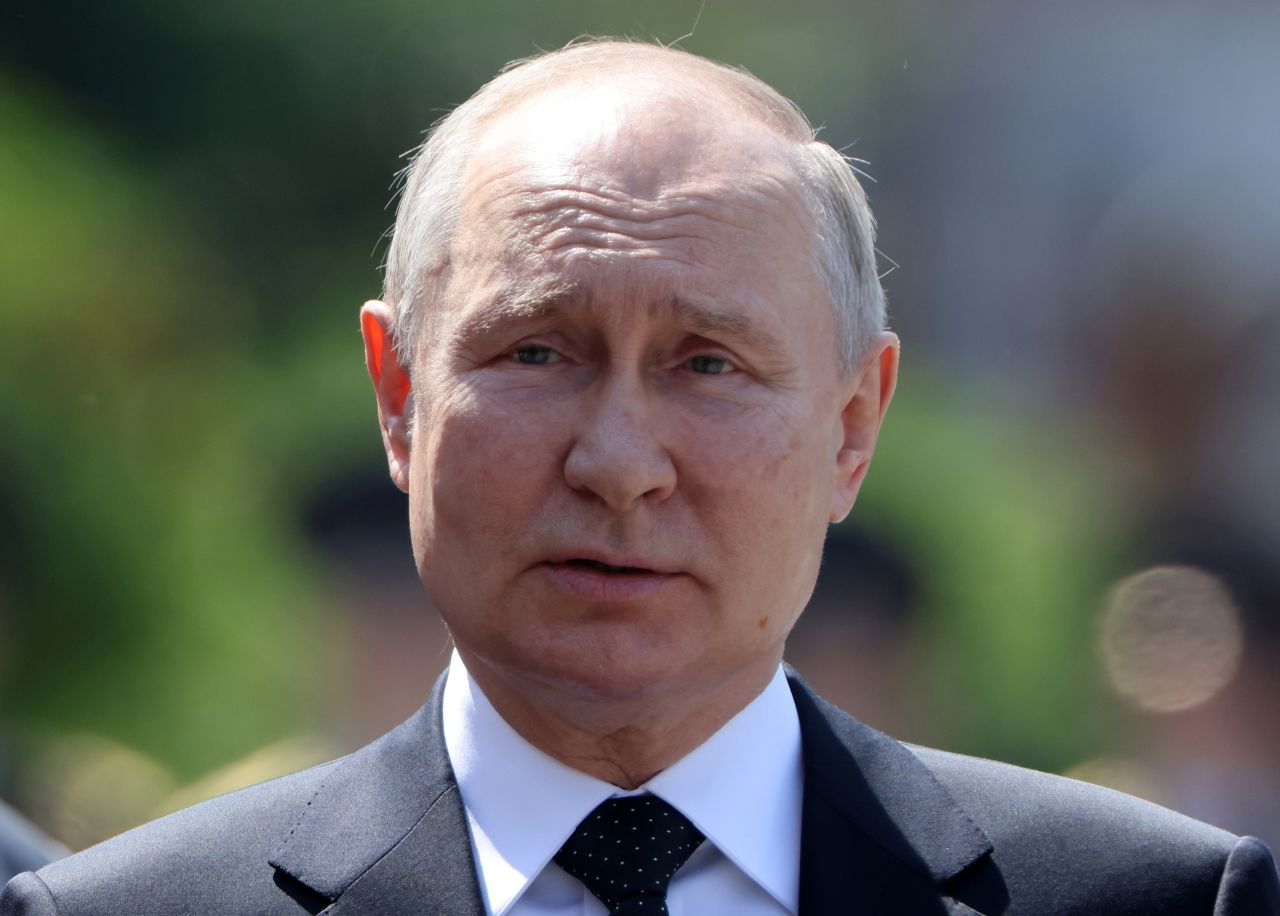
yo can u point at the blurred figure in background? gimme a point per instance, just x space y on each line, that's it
22 846
393 637
1185 323
854 642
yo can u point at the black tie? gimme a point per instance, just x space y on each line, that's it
627 849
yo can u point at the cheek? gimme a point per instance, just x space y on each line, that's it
482 469
755 462
762 494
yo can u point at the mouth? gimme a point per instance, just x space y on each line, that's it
598 580
599 566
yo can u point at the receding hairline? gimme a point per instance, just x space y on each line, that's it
604 60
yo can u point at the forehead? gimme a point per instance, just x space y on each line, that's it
594 184
630 119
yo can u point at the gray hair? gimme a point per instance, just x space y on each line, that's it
421 245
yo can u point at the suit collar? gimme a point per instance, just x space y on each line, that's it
880 834
386 831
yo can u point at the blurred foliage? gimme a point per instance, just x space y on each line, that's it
145 562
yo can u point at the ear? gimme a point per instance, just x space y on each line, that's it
867 398
391 386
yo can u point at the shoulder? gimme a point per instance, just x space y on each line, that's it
1030 842
1022 804
1091 848
211 857
301 839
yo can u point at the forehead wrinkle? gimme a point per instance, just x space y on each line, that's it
599 205
567 219
526 195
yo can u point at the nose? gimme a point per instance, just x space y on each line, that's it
617 454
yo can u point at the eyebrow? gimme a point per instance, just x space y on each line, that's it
708 319
523 304
535 304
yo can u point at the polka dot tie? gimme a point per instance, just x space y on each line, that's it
627 849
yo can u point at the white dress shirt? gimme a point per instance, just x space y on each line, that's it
742 788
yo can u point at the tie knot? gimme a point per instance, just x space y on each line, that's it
627 849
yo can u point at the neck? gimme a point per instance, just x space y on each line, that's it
624 741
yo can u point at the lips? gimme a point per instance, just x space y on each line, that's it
611 562
608 567
602 578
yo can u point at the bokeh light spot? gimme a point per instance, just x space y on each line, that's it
1171 638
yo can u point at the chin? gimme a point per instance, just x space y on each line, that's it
611 670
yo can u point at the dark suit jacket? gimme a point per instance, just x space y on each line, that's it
887 829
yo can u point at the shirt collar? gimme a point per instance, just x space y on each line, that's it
742 788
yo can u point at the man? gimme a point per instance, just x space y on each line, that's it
629 365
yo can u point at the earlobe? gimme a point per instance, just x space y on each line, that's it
391 387
860 420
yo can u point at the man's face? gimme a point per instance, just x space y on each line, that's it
629 411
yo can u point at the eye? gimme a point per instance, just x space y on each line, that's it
535 355
710 365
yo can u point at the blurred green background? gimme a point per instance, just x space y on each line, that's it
205 578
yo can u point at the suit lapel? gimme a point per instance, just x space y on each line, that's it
429 871
386 832
879 833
